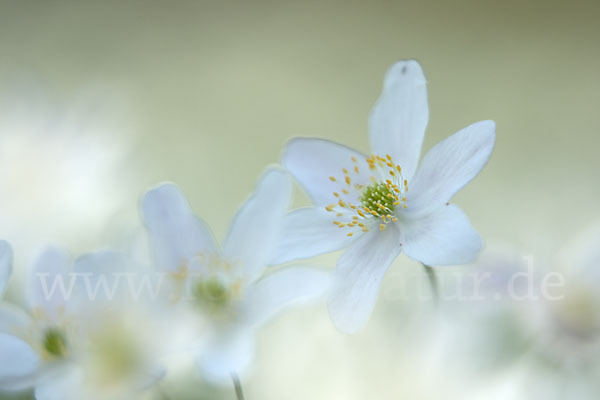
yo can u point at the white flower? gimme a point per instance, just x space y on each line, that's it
36 341
68 348
225 284
382 204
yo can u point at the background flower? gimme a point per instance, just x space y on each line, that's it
226 285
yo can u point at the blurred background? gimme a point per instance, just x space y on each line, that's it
101 100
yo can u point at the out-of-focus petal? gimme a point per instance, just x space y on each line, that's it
13 319
102 276
176 235
444 237
314 161
51 283
6 260
450 165
357 277
227 353
285 288
68 384
256 228
398 120
308 232
18 358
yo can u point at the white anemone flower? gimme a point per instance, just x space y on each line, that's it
226 285
381 204
37 340
65 347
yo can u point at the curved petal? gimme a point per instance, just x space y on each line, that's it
23 359
175 234
357 277
66 385
50 284
102 277
314 161
6 261
285 288
444 237
229 352
450 165
308 232
256 228
13 319
398 120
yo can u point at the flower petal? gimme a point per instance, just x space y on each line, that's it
50 284
102 277
23 359
6 260
398 120
229 352
357 277
450 165
256 229
308 232
285 288
313 161
176 235
444 237
68 383
13 319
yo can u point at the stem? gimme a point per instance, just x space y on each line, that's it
239 392
433 282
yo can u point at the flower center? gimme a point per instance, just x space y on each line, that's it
379 196
377 200
55 343
212 293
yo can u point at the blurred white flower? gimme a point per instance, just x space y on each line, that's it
61 167
381 204
226 285
540 319
69 346
37 340
567 324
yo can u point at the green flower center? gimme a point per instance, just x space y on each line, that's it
378 199
379 196
55 343
212 293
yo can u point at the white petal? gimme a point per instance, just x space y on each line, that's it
285 288
18 358
450 165
229 352
66 385
102 276
13 319
398 120
308 232
176 235
6 260
50 284
313 161
357 277
444 237
256 228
